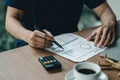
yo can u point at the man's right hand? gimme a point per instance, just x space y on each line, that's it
39 39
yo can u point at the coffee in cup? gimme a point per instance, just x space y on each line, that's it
88 71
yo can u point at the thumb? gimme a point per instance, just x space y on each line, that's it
48 33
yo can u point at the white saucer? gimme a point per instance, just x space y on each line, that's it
70 76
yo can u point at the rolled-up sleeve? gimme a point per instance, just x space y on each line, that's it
19 4
94 3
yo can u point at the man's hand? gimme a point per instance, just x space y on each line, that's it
39 39
103 35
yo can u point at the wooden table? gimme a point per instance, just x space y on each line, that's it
22 64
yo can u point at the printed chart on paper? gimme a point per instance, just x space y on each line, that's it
75 47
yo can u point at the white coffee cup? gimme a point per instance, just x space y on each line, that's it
88 71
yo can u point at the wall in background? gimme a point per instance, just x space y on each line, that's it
88 19
115 4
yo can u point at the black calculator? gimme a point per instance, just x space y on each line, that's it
50 63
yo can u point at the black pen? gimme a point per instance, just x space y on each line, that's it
54 41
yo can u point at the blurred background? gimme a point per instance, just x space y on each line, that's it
88 19
6 40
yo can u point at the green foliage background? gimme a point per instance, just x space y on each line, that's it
6 40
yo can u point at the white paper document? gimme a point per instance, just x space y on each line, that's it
75 47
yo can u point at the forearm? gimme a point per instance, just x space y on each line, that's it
105 14
108 17
14 27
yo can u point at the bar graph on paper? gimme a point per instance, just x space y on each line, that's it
75 47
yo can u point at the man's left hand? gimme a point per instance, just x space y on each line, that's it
103 35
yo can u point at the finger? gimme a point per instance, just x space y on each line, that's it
112 41
49 36
91 36
37 41
48 32
45 40
107 41
47 43
38 33
103 38
41 37
44 44
36 44
97 38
